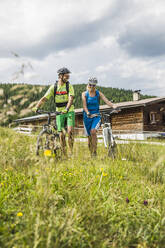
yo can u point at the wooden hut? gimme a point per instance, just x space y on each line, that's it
137 116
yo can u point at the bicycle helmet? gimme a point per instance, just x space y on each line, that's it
63 70
92 80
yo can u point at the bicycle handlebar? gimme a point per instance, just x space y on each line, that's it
40 111
106 114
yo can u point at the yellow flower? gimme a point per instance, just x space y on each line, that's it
97 176
19 214
101 169
2 184
104 174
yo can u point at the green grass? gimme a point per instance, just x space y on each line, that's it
81 202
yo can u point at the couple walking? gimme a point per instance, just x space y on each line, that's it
63 93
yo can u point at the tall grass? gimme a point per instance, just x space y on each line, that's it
81 202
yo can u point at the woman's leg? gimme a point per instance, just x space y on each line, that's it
90 144
93 142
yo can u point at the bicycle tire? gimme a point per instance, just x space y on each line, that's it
108 143
40 142
106 137
112 149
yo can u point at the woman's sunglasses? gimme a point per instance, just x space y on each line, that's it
91 85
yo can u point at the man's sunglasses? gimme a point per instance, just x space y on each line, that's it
91 85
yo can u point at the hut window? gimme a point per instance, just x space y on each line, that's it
152 117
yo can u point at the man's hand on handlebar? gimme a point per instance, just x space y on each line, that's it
35 109
65 111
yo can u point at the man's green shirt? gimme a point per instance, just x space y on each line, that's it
61 95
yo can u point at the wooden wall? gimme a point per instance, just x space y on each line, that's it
128 119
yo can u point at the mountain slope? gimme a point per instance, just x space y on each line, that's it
17 100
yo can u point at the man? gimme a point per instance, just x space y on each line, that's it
63 93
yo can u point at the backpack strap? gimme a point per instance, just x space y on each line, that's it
55 88
67 87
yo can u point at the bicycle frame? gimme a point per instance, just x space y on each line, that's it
107 131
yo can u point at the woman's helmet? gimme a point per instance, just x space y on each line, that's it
92 80
63 70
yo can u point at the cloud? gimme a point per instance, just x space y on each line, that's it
121 42
144 36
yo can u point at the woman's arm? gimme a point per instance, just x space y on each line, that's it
84 103
106 100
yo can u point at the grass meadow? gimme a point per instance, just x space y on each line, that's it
81 202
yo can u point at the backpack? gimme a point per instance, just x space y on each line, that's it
55 88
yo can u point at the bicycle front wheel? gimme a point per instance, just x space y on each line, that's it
112 148
109 143
48 144
42 143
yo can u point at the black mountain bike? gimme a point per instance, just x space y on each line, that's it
48 140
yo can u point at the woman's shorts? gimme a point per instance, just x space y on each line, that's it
91 123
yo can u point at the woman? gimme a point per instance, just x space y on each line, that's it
90 100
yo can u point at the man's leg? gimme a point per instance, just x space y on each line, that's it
63 142
70 138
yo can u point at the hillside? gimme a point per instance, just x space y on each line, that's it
17 100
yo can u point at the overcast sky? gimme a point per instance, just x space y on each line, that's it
121 42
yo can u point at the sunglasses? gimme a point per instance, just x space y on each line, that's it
91 85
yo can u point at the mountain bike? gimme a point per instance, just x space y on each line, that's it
48 140
109 140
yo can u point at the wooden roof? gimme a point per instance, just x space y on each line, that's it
130 104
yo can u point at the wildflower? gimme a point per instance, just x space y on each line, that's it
127 200
101 169
145 202
104 174
97 176
19 214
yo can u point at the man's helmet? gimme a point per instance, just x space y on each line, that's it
63 70
92 80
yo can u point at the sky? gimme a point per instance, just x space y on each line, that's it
121 42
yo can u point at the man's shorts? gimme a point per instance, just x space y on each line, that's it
63 120
91 123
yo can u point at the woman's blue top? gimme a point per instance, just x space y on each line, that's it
92 103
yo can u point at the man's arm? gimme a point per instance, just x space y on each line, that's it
69 102
41 102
